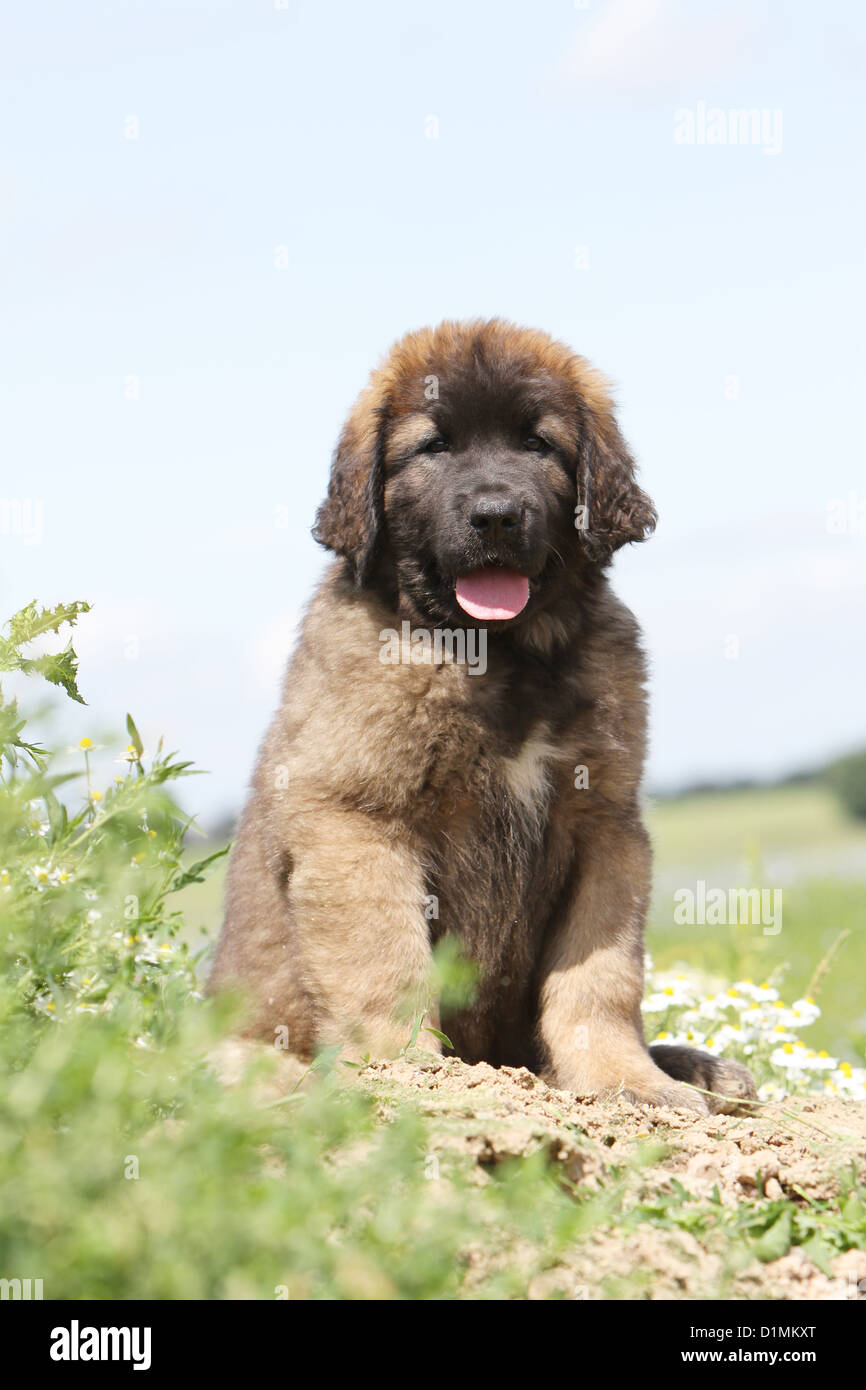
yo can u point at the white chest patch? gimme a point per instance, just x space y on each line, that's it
528 772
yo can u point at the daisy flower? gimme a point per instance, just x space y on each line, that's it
759 994
131 754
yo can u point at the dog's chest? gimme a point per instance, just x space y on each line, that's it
525 777
494 861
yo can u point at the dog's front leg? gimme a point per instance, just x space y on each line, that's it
357 897
592 974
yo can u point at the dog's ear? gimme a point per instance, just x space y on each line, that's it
349 521
611 509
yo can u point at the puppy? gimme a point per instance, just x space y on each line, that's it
459 746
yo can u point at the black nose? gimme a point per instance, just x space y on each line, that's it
492 517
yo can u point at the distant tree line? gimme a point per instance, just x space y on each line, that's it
845 775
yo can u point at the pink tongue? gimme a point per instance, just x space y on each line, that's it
492 593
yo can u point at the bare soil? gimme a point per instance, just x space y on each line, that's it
798 1149
476 1117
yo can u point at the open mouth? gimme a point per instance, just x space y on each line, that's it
492 594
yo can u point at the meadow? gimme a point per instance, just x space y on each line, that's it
129 1168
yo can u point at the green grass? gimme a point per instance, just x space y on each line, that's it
734 839
734 827
128 1170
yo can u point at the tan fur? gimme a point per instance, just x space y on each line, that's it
381 788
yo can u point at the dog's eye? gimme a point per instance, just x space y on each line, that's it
535 444
436 446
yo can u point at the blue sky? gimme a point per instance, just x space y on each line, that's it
216 217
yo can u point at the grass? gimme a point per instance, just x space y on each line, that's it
736 826
128 1170
736 838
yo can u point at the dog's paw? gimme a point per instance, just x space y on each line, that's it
664 1092
635 1079
730 1083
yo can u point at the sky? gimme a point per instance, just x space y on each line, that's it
216 217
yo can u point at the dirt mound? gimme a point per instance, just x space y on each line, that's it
796 1153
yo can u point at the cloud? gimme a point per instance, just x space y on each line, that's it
650 46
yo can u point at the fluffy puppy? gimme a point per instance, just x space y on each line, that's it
459 746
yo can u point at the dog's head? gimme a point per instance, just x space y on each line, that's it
479 471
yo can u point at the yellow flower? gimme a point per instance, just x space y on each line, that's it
845 1068
96 796
667 990
733 993
86 744
788 1047
822 1053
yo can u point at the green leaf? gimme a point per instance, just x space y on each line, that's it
57 817
196 872
60 668
441 1036
776 1240
134 736
29 622
820 1253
